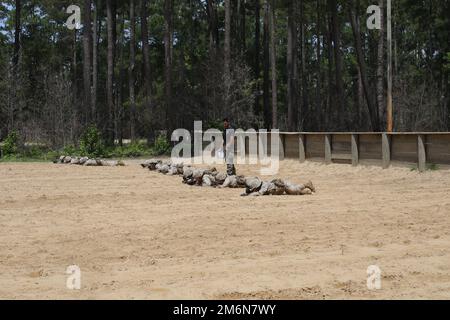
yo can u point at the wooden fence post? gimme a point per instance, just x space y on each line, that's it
386 150
355 150
422 153
282 140
328 149
301 147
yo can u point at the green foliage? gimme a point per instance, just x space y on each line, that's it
11 144
214 124
133 150
34 151
70 150
432 167
447 59
39 152
429 167
14 150
161 146
46 80
91 143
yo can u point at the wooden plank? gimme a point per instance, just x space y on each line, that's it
438 149
422 155
404 148
282 144
328 149
314 146
341 148
336 147
341 156
386 150
291 147
301 147
368 133
370 147
355 150
341 143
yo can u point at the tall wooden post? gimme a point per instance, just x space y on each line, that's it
389 68
328 149
302 147
386 150
422 153
355 149
282 147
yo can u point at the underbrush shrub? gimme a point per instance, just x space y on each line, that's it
91 143
35 151
132 150
70 149
161 146
11 145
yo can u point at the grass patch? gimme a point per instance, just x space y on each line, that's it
429 167
45 157
42 154
91 145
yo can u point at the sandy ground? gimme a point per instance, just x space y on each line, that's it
141 235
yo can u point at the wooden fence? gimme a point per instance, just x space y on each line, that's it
418 147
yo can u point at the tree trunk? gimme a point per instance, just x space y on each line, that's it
306 114
447 97
329 112
118 115
319 111
87 64
361 105
380 69
17 33
266 69
227 53
95 39
336 35
211 87
74 68
212 25
292 66
273 64
168 11
15 82
146 52
372 108
131 72
110 13
243 27
257 62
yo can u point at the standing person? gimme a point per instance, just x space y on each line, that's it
228 146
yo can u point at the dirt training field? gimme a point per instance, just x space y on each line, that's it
138 234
